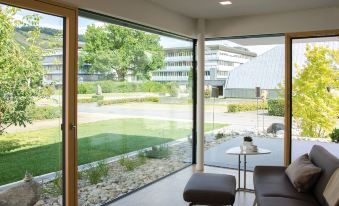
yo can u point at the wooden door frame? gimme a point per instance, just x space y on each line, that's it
288 83
70 15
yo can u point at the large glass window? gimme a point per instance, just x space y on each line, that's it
244 98
31 99
134 109
315 94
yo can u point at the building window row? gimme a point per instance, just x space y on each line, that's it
181 63
179 54
53 67
176 74
225 63
234 55
222 73
171 74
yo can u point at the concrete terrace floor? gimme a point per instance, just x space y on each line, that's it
168 191
217 156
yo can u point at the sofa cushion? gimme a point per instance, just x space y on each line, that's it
303 173
272 181
282 201
328 164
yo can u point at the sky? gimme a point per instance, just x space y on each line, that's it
167 42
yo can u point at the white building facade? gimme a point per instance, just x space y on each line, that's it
220 60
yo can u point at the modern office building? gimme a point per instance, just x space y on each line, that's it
220 60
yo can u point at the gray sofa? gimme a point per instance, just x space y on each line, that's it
273 188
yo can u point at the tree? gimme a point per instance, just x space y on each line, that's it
315 107
21 71
116 49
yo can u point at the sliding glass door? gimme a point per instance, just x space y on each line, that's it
36 69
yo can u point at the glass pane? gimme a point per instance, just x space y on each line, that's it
134 109
235 70
31 88
315 94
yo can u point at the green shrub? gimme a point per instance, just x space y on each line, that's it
7 146
94 98
56 188
87 88
44 112
242 107
110 86
154 87
128 100
103 168
219 135
335 135
158 152
207 93
172 89
98 97
81 175
95 174
87 100
130 164
276 107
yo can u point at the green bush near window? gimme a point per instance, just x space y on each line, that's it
44 112
96 173
220 135
158 152
243 107
276 107
335 135
87 100
56 189
109 86
128 100
129 163
98 97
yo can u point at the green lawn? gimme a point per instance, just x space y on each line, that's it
40 150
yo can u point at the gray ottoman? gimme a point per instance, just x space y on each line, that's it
210 189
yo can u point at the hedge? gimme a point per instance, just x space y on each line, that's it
44 112
124 87
87 100
128 100
276 107
243 107
94 98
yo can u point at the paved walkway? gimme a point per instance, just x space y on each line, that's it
92 113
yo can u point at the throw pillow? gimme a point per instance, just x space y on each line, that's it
303 173
331 190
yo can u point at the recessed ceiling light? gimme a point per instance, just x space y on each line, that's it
225 2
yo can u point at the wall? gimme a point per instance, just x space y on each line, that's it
140 11
310 20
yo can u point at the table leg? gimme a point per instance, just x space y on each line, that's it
245 171
239 162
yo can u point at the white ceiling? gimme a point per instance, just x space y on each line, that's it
211 9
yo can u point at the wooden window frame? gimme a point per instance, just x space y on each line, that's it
288 83
70 15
